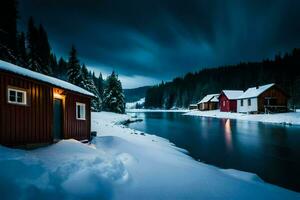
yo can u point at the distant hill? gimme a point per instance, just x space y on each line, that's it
132 95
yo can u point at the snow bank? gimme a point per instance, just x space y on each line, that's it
283 118
122 163
68 169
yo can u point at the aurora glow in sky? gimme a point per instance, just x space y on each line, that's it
150 41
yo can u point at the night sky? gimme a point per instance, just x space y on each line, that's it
150 41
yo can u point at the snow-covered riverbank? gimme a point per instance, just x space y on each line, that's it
292 118
122 163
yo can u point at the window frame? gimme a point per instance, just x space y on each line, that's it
17 91
83 105
249 102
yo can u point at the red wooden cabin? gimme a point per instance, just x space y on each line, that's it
39 109
228 100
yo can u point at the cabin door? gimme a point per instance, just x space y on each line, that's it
57 120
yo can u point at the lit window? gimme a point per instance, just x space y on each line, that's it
16 96
80 111
223 103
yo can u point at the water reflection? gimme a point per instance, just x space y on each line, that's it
228 136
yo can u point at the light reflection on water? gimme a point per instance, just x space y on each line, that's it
228 134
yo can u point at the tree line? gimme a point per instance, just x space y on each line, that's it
33 51
283 70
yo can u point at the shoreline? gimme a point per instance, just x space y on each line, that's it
290 118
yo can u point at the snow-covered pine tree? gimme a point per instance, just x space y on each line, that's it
113 99
87 83
74 69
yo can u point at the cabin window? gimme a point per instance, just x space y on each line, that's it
242 102
80 111
17 96
249 102
223 103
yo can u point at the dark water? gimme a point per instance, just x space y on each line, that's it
271 151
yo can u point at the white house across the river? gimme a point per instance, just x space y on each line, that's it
266 98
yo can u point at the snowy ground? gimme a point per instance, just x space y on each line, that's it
132 105
292 118
122 164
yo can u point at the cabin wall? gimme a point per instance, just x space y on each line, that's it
213 106
74 128
246 108
274 92
25 124
232 106
203 106
227 105
224 103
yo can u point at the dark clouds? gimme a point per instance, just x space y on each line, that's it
155 40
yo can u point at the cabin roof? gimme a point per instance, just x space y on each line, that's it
215 98
41 77
233 94
255 91
209 97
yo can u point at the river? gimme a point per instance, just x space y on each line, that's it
271 151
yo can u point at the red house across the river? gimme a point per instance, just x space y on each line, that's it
228 100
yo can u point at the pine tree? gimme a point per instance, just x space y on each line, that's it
74 69
43 51
62 69
100 85
21 51
53 65
32 37
88 83
8 30
114 100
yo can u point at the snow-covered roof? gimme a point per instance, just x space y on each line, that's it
209 97
215 99
255 91
233 94
41 77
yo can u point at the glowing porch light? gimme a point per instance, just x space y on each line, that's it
57 93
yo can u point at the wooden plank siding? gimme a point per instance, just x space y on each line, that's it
25 124
274 92
230 105
73 128
33 123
